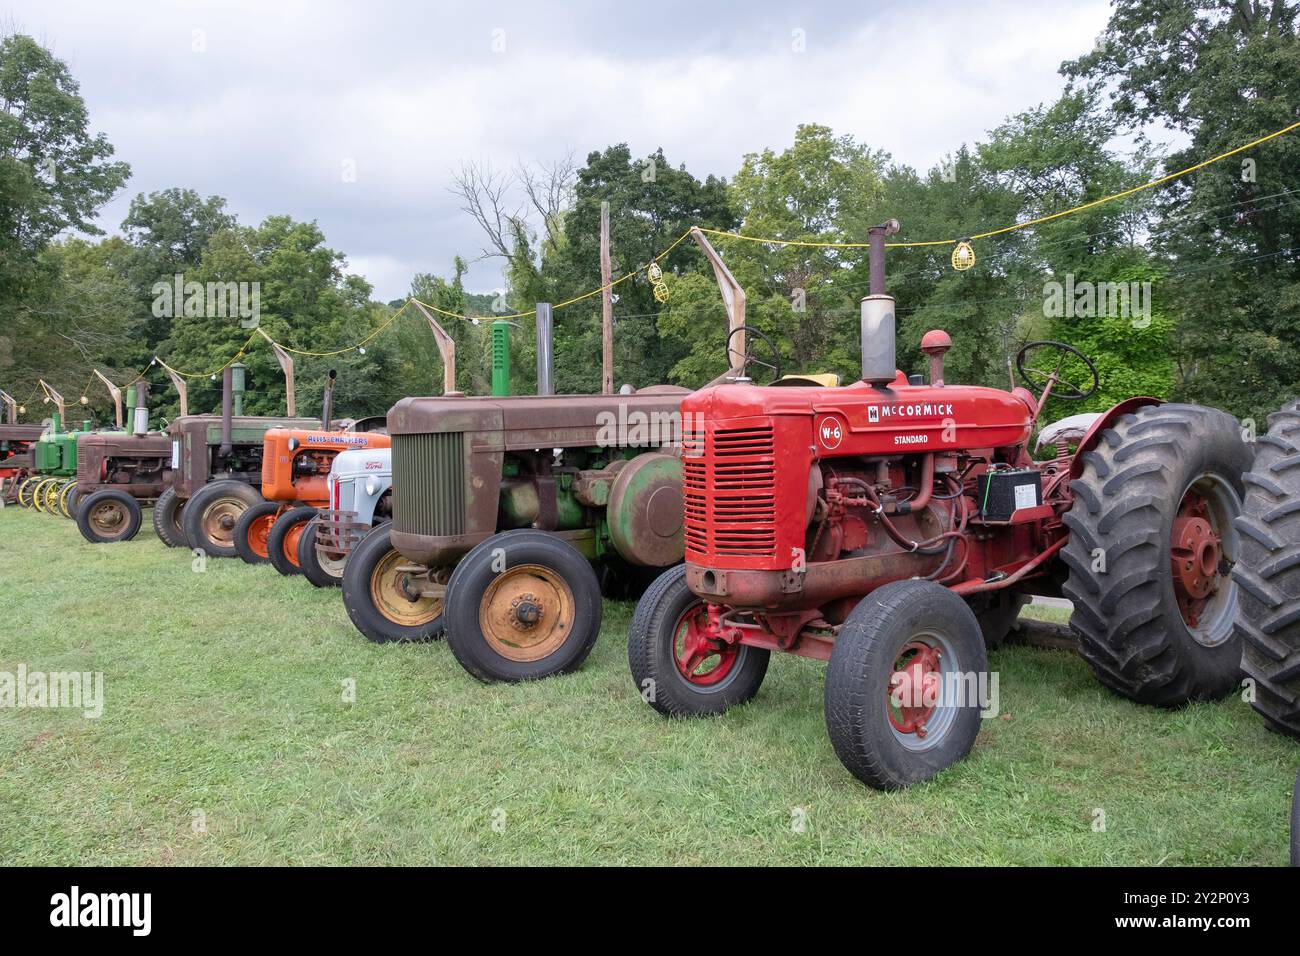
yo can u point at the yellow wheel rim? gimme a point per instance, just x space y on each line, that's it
52 497
38 495
25 492
219 520
393 600
527 613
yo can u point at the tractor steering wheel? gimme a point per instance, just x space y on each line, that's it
1039 379
749 358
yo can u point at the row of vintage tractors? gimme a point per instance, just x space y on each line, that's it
893 527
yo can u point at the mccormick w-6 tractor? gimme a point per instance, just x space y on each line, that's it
295 483
360 490
893 529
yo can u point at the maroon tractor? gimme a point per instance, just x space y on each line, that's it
119 473
894 528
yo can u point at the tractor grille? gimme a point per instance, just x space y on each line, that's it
429 484
728 490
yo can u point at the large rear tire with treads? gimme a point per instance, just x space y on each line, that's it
1151 548
1268 573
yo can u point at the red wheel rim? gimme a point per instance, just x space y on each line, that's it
1195 553
258 531
701 659
291 543
913 688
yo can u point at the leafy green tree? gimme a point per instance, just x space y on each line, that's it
1224 73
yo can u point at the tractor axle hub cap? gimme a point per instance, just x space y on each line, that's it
914 688
702 657
527 611
1195 556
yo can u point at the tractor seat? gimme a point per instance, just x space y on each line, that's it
823 379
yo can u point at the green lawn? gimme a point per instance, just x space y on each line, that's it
225 696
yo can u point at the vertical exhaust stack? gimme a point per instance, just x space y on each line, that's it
545 358
327 401
227 404
141 411
879 359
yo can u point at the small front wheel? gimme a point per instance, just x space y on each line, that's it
282 542
167 511
109 516
383 592
679 670
904 684
522 605
324 569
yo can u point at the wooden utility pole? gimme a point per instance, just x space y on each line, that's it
607 308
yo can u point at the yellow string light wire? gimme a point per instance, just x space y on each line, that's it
1019 225
723 234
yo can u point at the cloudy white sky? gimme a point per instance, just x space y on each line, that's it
265 103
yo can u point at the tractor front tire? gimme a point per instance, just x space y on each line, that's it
677 669
902 696
1268 573
167 513
376 599
322 572
107 516
1150 551
68 501
253 532
522 605
211 515
282 542
24 491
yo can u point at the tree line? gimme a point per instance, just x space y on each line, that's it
1190 291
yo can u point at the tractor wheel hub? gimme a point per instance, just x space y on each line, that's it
525 611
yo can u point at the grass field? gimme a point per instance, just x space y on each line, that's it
226 738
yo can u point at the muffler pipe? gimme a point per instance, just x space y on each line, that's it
879 356
140 413
545 357
327 401
227 409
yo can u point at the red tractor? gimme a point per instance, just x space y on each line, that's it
894 529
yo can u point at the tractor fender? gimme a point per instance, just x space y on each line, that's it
1102 423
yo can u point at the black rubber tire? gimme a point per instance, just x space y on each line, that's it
167 524
858 682
309 559
238 492
473 578
243 528
997 614
128 530
1128 622
277 548
359 602
651 656
1268 574
74 496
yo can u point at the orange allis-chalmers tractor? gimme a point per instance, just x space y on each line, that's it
894 529
295 483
